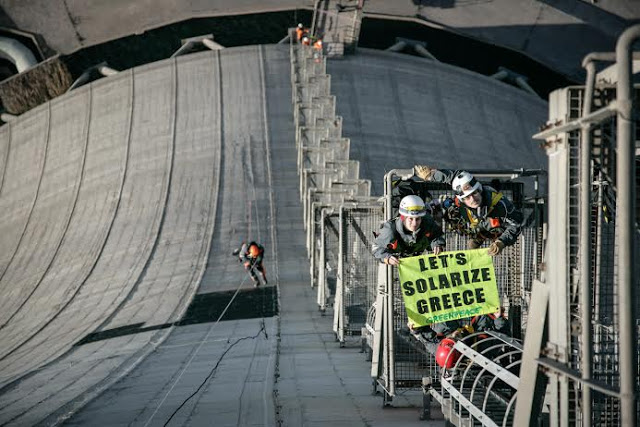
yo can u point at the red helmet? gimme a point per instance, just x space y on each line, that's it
446 356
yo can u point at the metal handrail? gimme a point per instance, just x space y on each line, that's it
625 227
609 110
560 368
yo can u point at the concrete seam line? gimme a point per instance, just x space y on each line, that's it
276 353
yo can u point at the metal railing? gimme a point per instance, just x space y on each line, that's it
481 387
591 354
586 355
357 271
400 362
327 177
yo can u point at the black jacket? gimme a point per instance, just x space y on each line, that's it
496 218
394 240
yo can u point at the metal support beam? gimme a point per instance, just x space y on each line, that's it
532 380
7 118
422 51
488 365
397 47
585 245
625 229
607 111
468 405
522 84
560 368
500 75
209 43
102 68
17 53
190 44
505 74
286 39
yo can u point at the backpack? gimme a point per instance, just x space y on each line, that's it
402 188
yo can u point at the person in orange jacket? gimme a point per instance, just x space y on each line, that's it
317 49
301 31
251 255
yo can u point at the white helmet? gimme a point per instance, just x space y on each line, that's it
412 206
464 184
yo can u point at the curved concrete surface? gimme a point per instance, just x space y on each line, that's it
140 166
97 200
398 111
123 198
54 205
27 146
5 137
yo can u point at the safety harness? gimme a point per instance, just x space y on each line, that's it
474 220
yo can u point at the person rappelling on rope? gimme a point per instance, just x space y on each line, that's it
251 256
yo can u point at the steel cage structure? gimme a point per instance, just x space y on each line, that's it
482 386
400 361
328 256
328 178
357 271
587 349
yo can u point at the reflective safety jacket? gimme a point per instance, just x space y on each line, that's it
300 33
394 239
496 218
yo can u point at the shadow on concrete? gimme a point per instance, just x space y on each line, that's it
448 4
205 308
5 20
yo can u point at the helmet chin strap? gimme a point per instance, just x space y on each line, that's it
413 232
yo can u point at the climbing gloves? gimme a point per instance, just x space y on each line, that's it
495 248
423 172
391 260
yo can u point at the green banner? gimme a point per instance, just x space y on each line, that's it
448 286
